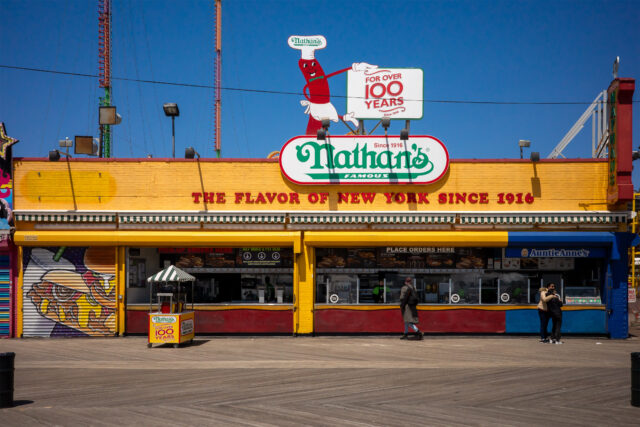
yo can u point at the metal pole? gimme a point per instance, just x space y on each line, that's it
101 139
173 135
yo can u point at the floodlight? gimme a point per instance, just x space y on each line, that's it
108 115
85 145
171 109
523 143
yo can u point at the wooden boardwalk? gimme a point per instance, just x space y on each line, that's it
352 381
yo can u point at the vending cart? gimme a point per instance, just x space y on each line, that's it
170 320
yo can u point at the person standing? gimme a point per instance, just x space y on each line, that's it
543 314
409 308
554 306
378 292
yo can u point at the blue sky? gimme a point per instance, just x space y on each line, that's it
538 51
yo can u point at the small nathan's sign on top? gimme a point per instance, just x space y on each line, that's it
307 45
312 41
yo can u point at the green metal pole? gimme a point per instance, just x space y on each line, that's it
106 138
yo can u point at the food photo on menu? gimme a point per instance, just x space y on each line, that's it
332 258
440 260
361 258
189 261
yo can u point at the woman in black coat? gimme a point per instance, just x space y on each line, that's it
554 307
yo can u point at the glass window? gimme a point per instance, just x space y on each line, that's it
434 289
465 289
371 289
223 275
340 288
514 289
582 285
489 284
456 275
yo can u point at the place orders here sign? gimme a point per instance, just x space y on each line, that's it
396 93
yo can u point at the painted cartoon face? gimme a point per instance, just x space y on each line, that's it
311 69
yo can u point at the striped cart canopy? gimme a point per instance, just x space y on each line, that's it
171 274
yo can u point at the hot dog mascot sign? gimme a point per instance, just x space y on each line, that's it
372 93
316 91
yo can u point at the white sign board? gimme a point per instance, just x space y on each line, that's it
364 160
396 93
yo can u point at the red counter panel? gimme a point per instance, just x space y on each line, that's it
238 321
390 320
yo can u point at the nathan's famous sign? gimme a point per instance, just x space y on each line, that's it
372 93
364 160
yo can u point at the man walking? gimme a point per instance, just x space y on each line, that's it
409 308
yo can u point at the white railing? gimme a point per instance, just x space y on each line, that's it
597 111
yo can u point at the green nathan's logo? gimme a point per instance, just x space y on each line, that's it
300 41
163 319
361 159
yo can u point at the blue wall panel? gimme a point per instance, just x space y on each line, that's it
573 321
5 296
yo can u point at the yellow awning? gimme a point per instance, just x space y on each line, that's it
406 238
159 238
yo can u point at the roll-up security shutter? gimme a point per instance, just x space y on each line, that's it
69 291
5 295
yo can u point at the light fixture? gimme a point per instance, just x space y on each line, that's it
523 143
108 115
386 122
171 110
86 145
404 134
321 135
535 156
190 153
65 143
325 124
54 155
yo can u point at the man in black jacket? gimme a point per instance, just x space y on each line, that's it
554 306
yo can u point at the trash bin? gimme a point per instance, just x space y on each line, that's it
6 379
635 379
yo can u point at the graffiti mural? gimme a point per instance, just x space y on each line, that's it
6 222
6 201
69 291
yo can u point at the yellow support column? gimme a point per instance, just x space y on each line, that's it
18 307
304 291
121 283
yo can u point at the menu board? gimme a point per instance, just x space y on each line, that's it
511 263
529 263
392 258
190 261
361 258
470 258
221 258
441 260
331 258
261 257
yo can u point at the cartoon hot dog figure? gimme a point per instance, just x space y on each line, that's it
316 91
